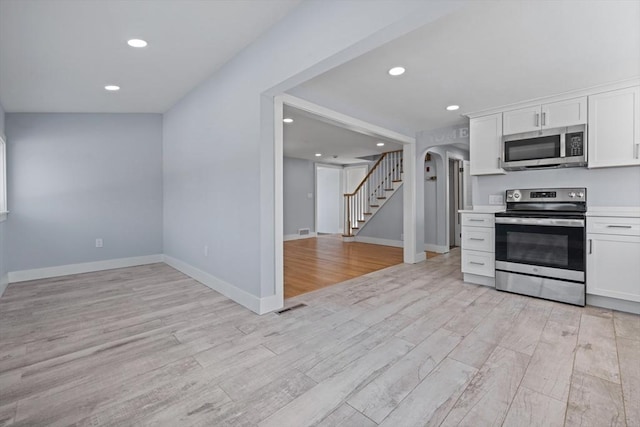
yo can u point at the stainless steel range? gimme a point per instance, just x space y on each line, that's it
540 244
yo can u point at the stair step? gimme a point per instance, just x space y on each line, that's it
388 189
348 235
362 220
381 198
374 206
367 213
355 228
397 180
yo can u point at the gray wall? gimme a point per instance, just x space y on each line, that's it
605 186
77 177
387 222
298 182
218 141
434 196
3 231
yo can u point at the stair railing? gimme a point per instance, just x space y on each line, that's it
369 193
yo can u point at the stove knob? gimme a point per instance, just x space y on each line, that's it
509 196
581 194
572 194
517 196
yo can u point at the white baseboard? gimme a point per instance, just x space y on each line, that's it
4 282
441 249
244 298
614 303
297 236
85 267
379 241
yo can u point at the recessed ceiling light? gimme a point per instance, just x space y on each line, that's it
380 144
112 88
137 43
453 107
318 154
397 71
287 120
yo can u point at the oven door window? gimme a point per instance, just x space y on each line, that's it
548 246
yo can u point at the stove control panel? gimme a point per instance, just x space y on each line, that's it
547 195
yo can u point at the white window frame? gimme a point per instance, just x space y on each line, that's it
3 178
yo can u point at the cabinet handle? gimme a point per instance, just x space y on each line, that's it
590 246
618 226
475 220
475 238
637 151
537 119
476 263
544 118
499 162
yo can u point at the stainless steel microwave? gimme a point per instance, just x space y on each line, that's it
549 148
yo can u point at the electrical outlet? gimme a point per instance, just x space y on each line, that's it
402 237
98 243
206 250
309 195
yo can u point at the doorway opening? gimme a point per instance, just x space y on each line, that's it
313 247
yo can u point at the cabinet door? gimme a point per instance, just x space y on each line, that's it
614 128
522 120
485 137
613 269
564 113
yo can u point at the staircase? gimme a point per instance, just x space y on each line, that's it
384 179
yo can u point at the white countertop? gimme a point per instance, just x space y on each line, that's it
623 211
484 209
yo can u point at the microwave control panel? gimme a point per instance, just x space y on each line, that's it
575 144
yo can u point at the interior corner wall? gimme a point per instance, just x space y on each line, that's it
298 183
218 152
3 231
73 178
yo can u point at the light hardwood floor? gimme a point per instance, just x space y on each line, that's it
409 345
311 264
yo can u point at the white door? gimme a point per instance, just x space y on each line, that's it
522 120
564 113
485 137
328 196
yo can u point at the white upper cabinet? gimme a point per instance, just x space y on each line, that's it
614 128
485 138
522 120
557 114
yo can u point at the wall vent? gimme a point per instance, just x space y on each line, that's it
304 232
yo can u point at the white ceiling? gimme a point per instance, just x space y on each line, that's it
310 134
57 55
486 55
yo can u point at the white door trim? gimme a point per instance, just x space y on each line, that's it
411 253
455 156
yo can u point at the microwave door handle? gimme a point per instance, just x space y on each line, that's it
563 145
537 119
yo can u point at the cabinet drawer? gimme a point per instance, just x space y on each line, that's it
480 263
612 225
478 238
478 220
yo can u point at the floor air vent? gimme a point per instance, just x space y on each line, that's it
293 307
304 232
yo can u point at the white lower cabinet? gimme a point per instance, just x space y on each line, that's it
478 248
613 258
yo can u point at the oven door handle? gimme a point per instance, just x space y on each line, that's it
553 222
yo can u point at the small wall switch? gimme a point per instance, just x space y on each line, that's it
98 243
496 199
309 195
